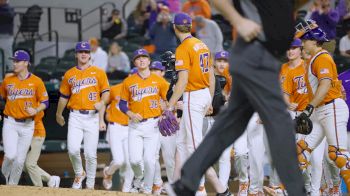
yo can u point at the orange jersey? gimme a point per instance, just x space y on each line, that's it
113 112
84 87
322 67
293 84
143 94
39 129
20 94
193 56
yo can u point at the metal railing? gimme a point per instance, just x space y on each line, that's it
102 11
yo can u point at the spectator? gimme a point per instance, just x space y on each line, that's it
327 19
99 57
115 27
7 15
210 33
344 44
117 59
174 6
137 21
162 33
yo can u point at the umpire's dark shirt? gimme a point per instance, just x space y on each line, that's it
277 20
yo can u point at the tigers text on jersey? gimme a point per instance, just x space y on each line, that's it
84 87
193 56
293 83
21 94
113 112
322 67
143 94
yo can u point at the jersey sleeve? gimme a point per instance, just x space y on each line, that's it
41 93
103 82
322 68
164 89
182 60
65 90
125 93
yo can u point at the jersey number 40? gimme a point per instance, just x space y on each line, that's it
204 62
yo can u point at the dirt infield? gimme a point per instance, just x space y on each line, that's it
36 191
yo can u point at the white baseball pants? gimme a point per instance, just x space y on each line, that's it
17 137
117 137
83 127
143 143
37 175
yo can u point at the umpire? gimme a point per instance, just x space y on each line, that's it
266 31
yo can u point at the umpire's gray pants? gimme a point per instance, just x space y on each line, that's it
256 87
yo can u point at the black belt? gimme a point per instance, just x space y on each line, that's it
146 119
85 111
113 123
23 120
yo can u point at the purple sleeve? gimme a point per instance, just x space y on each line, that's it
46 103
333 17
123 106
341 8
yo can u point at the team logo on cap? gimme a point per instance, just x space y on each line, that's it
83 44
139 52
185 21
223 53
16 53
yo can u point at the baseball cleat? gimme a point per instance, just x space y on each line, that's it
107 179
78 181
243 189
156 190
201 191
334 191
137 185
226 193
54 182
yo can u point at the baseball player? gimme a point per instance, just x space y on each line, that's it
345 78
117 137
38 175
167 144
140 100
326 103
85 91
25 96
196 83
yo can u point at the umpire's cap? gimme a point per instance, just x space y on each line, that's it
309 30
82 46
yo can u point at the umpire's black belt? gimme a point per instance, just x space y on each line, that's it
86 112
22 120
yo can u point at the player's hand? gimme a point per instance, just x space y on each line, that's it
31 111
293 106
135 117
210 110
99 105
259 121
102 125
60 120
248 29
179 105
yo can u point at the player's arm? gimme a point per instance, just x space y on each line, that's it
211 81
101 115
321 92
105 92
179 88
62 102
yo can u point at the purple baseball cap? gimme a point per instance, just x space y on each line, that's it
222 55
182 19
82 46
296 43
20 55
157 65
140 52
133 70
